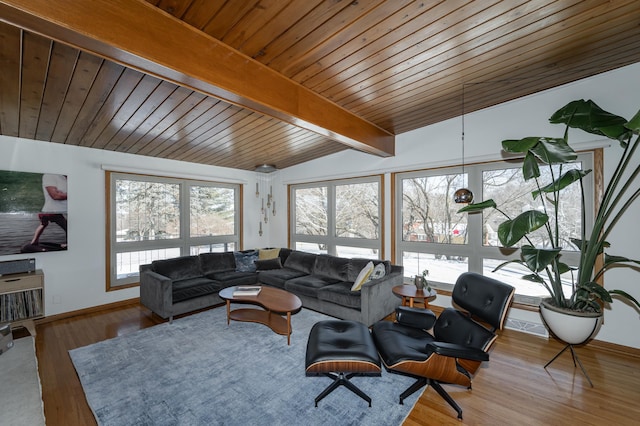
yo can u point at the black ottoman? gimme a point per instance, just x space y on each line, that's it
340 350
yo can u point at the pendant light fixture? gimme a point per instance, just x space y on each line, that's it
463 195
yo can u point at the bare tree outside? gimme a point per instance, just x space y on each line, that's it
357 211
147 210
428 212
513 194
212 211
311 211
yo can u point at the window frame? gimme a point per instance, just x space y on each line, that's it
331 241
184 242
474 250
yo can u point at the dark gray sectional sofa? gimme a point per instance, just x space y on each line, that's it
322 282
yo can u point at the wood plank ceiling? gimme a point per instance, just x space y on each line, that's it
397 64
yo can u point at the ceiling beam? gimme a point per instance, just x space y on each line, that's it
143 37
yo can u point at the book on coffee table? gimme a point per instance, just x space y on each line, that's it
247 290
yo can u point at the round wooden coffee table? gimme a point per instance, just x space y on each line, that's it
275 303
409 293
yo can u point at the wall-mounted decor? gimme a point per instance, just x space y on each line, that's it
33 212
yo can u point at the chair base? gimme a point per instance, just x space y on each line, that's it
342 379
575 358
421 382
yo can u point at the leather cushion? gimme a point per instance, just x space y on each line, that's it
340 340
397 343
483 297
453 326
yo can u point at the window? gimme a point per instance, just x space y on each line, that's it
432 235
341 218
158 218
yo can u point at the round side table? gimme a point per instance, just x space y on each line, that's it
409 293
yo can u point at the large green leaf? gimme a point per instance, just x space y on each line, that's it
512 231
547 150
537 259
597 289
562 182
476 207
588 116
634 123
626 296
530 168
610 260
520 146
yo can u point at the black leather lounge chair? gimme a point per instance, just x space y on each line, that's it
459 342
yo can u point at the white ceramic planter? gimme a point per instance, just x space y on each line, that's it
569 326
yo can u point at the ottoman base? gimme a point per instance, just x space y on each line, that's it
341 350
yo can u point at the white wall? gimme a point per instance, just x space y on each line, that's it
75 279
440 144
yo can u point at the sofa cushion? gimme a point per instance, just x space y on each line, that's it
229 278
214 262
307 285
266 264
356 265
245 260
277 277
268 253
193 287
301 261
332 267
178 268
340 294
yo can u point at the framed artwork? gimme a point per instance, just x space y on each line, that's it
33 212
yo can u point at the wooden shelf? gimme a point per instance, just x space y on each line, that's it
22 299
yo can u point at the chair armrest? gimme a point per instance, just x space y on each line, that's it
415 317
457 351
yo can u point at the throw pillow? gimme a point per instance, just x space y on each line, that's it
270 253
245 261
378 272
266 264
363 276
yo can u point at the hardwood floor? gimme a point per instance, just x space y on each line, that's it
512 388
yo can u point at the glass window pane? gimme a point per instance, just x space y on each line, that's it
444 269
212 211
428 211
128 263
312 247
212 248
357 211
311 211
512 194
147 210
365 253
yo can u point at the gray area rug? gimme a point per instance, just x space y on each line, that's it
21 392
201 371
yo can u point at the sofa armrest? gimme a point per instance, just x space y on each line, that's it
156 292
377 299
